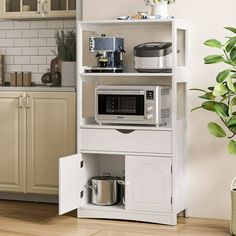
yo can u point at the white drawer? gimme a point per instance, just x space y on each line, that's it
142 141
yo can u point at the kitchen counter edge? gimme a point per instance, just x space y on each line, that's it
37 89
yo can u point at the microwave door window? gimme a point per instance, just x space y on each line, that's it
121 105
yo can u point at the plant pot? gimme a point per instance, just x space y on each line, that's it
68 73
161 10
233 198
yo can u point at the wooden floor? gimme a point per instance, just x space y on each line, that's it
31 219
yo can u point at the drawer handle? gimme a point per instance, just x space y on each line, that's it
126 131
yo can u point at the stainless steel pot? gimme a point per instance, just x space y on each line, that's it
105 190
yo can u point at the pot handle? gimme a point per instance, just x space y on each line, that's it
94 187
122 182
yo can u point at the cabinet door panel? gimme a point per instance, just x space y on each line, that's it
149 187
50 135
12 142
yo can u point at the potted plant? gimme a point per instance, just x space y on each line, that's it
220 99
66 48
160 8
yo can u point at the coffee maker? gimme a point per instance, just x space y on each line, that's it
109 53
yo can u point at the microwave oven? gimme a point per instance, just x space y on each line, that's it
141 105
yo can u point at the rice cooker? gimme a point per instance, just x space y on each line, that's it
154 57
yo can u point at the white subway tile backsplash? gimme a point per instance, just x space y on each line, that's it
47 33
6 42
21 24
21 42
13 51
38 42
9 60
31 68
24 60
38 60
10 68
6 24
30 51
38 24
29 45
2 34
13 33
51 42
43 68
55 24
30 33
47 51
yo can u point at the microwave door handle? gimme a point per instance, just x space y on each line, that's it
120 92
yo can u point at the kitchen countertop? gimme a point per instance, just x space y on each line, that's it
38 89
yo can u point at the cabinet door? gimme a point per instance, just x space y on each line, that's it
149 183
69 188
12 142
50 135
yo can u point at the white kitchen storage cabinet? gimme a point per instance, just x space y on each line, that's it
151 159
36 129
30 9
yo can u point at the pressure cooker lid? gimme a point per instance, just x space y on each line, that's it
105 178
153 49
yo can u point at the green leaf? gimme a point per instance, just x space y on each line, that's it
219 90
233 129
221 109
223 75
213 43
210 106
233 76
232 121
207 96
233 55
231 29
195 108
230 84
232 147
196 89
216 130
230 44
214 59
233 101
211 88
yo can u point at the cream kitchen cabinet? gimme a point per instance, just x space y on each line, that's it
40 128
30 9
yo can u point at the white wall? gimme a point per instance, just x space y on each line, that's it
28 45
211 168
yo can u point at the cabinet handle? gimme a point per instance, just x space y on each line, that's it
45 3
126 131
39 7
28 102
21 102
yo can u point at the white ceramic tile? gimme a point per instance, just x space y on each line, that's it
51 42
38 42
55 24
49 58
30 51
38 24
6 24
2 33
21 42
13 34
13 51
30 33
37 78
21 24
47 33
38 60
69 24
3 51
6 42
47 51
43 68
31 68
10 68
21 60
9 60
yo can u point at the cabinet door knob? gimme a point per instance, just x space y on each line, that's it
126 131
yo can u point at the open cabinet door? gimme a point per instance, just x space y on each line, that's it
69 191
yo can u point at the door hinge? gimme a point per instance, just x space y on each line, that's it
81 164
171 200
81 194
171 169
